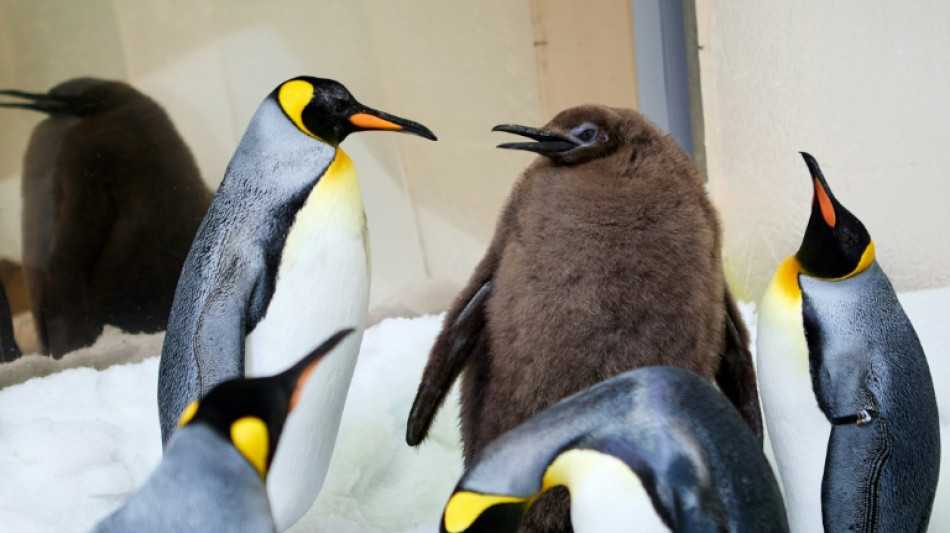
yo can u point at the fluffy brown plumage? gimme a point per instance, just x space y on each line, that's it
112 198
606 258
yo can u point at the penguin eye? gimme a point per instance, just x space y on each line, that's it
585 133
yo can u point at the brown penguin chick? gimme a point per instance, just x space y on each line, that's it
112 198
606 258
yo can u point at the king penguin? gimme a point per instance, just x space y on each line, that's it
211 477
650 450
112 198
279 262
605 258
846 388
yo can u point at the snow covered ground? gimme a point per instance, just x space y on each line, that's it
73 445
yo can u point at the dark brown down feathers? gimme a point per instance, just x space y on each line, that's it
601 262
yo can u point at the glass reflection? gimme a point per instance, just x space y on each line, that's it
112 198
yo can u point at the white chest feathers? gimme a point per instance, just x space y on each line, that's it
322 286
605 494
797 428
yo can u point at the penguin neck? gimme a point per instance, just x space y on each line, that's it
276 158
198 453
605 492
785 281
336 200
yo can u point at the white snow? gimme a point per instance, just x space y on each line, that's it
74 444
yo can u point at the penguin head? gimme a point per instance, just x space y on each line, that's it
579 134
250 413
80 97
326 110
836 244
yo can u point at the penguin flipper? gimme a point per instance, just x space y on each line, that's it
851 488
736 374
221 327
459 339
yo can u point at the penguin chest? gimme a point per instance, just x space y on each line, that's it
322 286
797 428
322 279
605 493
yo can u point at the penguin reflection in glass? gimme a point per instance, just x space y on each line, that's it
112 198
212 475
9 350
846 388
280 261
653 449
606 258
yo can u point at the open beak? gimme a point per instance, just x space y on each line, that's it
824 197
367 119
44 103
547 142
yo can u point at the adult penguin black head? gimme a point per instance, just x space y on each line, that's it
836 244
325 109
576 135
212 476
250 413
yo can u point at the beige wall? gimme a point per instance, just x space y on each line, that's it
862 86
458 67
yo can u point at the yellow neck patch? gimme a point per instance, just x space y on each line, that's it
465 507
785 281
336 201
250 436
188 413
866 259
293 97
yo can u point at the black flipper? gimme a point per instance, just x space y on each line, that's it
736 374
8 346
851 489
455 345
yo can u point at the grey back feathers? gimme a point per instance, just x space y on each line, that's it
111 201
229 274
202 484
697 459
865 357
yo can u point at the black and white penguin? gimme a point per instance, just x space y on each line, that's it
112 198
280 261
846 388
212 475
653 449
